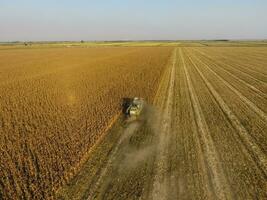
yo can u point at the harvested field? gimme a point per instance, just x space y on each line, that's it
55 104
206 138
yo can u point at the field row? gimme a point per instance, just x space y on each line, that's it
221 122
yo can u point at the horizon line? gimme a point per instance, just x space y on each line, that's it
126 40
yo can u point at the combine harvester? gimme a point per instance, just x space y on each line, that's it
132 108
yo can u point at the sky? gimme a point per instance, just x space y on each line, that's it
61 20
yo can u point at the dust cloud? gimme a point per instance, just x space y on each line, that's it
134 156
128 155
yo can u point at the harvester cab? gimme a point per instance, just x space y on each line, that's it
132 107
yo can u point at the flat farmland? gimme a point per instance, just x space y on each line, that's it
56 103
205 136
202 134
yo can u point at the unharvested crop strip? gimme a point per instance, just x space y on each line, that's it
241 96
245 136
220 185
163 87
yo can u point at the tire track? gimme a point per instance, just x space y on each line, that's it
161 179
248 141
218 180
241 96
239 79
